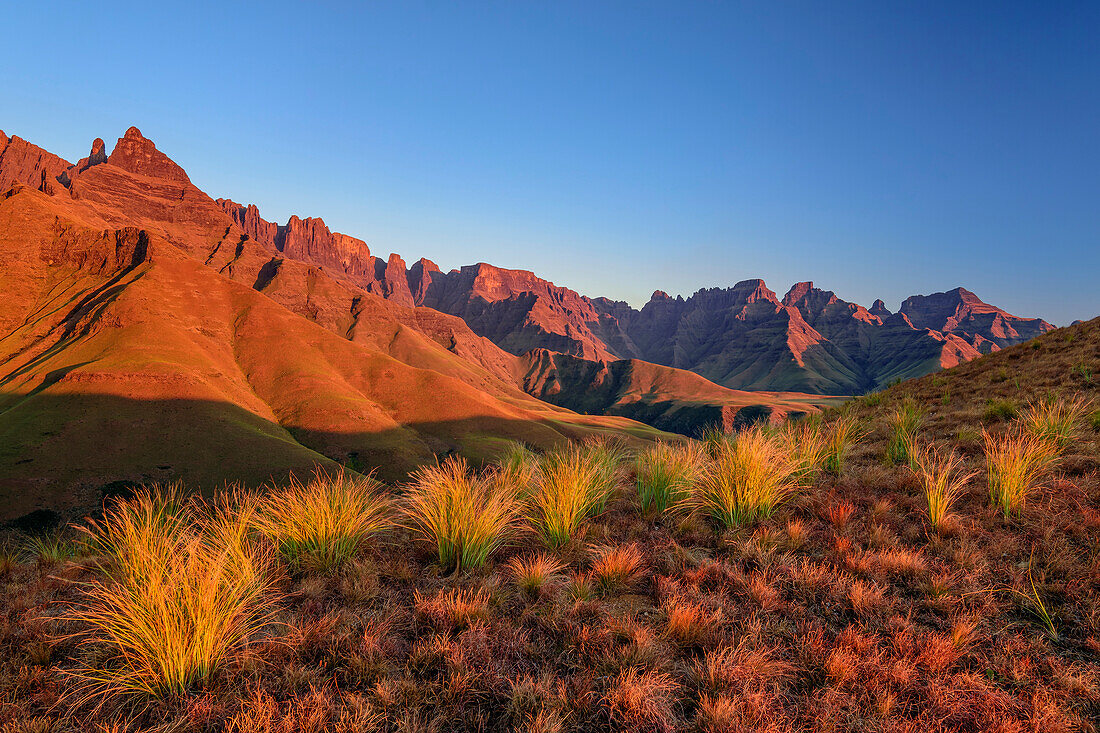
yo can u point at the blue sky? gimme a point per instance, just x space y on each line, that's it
879 149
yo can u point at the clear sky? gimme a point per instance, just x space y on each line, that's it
880 149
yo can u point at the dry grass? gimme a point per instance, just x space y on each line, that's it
1055 419
533 575
747 479
181 593
617 568
1016 464
466 517
320 525
454 608
840 437
642 701
573 485
846 612
666 475
806 445
942 477
905 422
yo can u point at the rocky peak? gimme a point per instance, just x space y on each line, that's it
798 292
137 154
754 290
251 223
878 308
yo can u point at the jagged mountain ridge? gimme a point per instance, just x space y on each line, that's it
149 336
743 337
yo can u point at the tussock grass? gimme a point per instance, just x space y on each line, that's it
573 485
455 608
533 575
642 700
517 467
806 445
617 568
905 422
1054 419
840 437
666 474
467 517
748 478
942 478
1016 464
180 593
321 525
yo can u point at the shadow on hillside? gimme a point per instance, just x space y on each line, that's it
65 453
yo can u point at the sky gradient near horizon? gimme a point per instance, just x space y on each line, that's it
879 149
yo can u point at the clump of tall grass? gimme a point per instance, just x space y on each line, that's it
904 422
806 445
466 516
1054 419
573 484
181 592
942 478
517 467
320 525
534 574
747 478
841 435
666 473
1016 464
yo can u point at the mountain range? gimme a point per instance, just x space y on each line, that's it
152 332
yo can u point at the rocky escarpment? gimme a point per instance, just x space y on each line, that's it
26 163
960 312
517 310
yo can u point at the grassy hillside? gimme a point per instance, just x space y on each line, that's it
128 360
732 585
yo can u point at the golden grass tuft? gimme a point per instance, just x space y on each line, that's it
573 484
320 525
748 478
666 474
942 479
840 437
806 446
1016 464
467 517
1054 419
182 591
904 423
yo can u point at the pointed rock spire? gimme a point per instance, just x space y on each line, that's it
137 154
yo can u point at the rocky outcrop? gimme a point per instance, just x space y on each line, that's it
23 162
136 154
518 310
964 314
